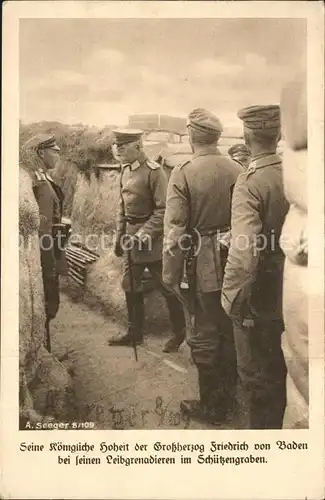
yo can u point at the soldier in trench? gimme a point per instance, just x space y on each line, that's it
252 285
43 152
40 373
143 186
198 203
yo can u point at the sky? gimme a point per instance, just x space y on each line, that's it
99 71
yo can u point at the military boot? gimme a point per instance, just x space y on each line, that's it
177 320
210 408
135 309
174 342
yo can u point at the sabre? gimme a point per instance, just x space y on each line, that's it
128 253
189 317
48 337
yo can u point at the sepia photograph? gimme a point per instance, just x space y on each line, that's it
162 224
162 253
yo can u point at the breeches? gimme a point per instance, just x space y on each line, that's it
137 272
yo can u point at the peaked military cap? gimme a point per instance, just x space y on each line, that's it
42 141
125 136
238 148
261 117
203 120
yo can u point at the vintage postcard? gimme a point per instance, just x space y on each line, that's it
162 250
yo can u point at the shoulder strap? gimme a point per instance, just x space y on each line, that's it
183 164
39 176
153 165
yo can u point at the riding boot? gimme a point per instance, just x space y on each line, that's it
177 319
139 314
221 395
135 310
210 407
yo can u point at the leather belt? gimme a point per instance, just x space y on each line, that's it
135 220
213 231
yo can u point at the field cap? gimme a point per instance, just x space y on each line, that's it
238 149
42 141
126 136
203 120
258 118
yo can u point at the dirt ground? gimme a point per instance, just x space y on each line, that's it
112 389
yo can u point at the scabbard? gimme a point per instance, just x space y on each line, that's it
191 277
48 335
133 305
188 315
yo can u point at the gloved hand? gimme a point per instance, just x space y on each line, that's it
248 323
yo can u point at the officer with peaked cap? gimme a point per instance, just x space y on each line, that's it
198 206
252 286
39 155
241 154
143 185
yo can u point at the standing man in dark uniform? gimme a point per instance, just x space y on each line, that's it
49 197
198 205
252 287
143 187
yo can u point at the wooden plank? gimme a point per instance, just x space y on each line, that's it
76 278
85 254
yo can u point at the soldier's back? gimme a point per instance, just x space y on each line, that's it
210 179
267 184
264 185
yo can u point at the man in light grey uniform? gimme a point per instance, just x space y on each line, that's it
143 185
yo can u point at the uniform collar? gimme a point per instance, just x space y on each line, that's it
239 162
265 159
209 150
137 163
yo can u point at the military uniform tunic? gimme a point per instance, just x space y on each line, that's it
142 206
252 290
198 197
253 274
